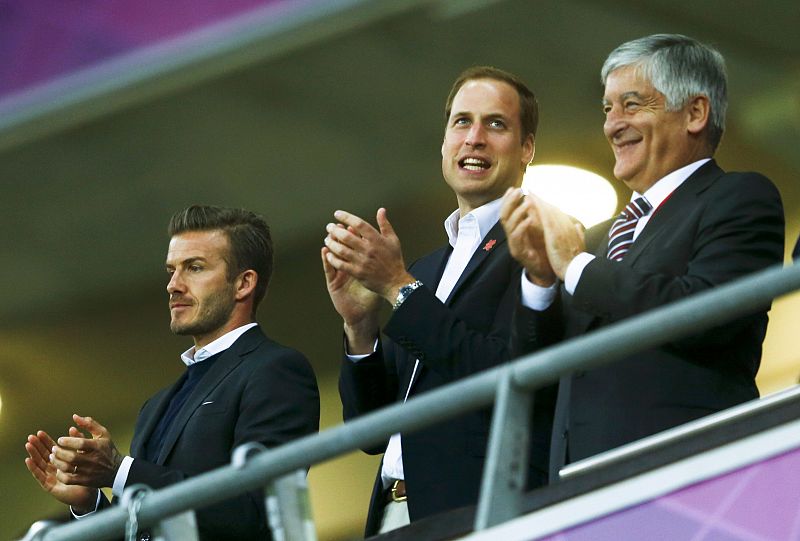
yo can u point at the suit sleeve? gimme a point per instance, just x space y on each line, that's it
738 230
466 336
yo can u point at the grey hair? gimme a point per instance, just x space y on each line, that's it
680 68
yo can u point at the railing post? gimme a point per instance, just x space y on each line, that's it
180 527
289 509
38 529
506 467
287 503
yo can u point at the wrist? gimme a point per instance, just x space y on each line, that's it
391 291
404 291
360 337
541 281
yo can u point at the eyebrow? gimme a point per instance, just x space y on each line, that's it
471 114
625 95
187 261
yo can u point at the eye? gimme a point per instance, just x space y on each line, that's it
461 121
631 105
497 124
606 108
195 268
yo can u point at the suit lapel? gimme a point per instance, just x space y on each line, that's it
673 208
229 360
157 409
494 238
431 274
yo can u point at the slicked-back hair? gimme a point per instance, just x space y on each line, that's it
528 106
680 68
248 237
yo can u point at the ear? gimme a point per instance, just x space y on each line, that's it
245 284
698 113
528 150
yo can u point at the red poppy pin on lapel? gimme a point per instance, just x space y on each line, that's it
489 245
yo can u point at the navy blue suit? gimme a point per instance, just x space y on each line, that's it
464 335
256 391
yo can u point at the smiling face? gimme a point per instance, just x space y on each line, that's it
648 141
483 153
201 296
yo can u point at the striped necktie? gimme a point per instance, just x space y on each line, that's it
620 237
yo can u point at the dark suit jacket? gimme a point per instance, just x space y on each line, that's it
466 334
796 252
716 227
257 390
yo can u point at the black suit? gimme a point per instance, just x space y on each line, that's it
714 228
256 391
466 334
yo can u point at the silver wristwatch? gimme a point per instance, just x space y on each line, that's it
404 292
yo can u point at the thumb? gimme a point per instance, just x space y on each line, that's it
90 425
383 223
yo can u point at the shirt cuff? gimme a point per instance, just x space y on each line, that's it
356 358
537 297
574 271
122 477
96 505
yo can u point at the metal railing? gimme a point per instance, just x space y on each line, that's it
512 383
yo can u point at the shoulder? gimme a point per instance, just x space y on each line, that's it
742 185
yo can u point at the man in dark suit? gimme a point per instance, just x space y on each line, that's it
451 309
695 228
239 386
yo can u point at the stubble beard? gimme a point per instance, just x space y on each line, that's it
215 312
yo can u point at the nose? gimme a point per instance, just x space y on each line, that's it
613 123
175 284
476 137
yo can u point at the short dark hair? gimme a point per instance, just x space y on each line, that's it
248 236
528 107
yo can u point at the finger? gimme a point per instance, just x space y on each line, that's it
360 226
511 200
41 459
347 236
383 223
45 438
521 217
327 268
342 252
75 433
60 464
38 473
71 444
38 448
339 264
93 427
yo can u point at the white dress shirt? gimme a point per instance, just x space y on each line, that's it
540 298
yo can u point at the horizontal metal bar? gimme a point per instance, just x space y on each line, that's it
683 431
676 320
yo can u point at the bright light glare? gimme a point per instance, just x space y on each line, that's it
578 192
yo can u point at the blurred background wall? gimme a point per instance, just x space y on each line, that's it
114 114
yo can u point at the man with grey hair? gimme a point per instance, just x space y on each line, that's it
689 227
